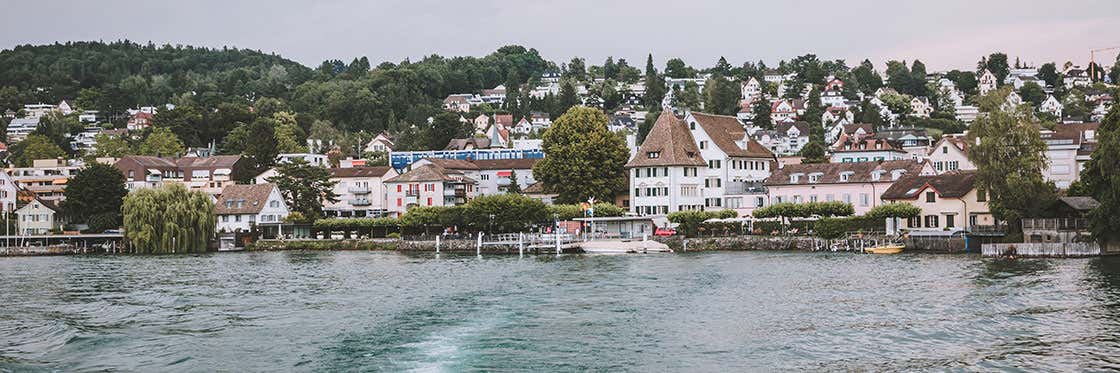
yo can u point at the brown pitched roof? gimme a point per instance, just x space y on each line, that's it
1080 203
830 172
150 161
217 161
453 164
956 141
725 131
868 144
952 184
671 141
1073 131
242 199
851 128
461 144
505 164
360 171
430 172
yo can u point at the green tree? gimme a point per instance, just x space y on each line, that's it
1101 179
813 152
514 187
677 69
97 190
721 96
260 144
1031 92
1009 158
647 125
35 147
184 121
576 69
899 75
761 111
997 64
499 213
1048 73
867 78
289 136
655 86
168 219
161 142
568 97
688 96
918 79
964 80
894 211
111 146
304 187
582 157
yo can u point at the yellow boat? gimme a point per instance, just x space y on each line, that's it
885 249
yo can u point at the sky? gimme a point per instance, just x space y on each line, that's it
944 34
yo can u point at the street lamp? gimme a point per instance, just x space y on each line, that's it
491 223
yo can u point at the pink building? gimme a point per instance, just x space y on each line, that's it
859 183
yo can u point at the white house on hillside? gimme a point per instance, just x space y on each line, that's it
241 206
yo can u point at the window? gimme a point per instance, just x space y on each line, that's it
237 218
932 221
637 173
813 198
429 201
653 155
703 145
944 150
759 201
692 126
847 198
399 202
274 204
931 197
972 220
813 178
483 177
845 176
950 221
225 218
637 192
398 188
981 195
914 222
864 199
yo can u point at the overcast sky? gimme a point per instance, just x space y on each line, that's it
944 34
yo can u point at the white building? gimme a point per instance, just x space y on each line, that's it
493 176
428 185
751 89
950 154
361 192
383 143
37 217
987 82
786 139
1068 147
8 191
1052 106
242 206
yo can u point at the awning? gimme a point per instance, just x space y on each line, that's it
505 173
59 182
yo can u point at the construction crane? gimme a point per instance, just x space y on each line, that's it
1092 59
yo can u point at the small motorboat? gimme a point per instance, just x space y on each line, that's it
885 249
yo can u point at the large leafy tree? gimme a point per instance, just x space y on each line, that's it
58 129
161 142
168 219
1101 178
35 147
94 195
582 157
304 187
1010 155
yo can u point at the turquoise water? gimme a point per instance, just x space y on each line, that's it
724 311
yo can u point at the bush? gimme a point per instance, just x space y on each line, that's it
510 212
394 235
569 212
833 228
804 210
689 222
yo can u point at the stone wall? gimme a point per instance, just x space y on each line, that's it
739 243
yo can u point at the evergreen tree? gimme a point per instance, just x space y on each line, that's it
761 111
918 79
721 96
655 86
568 97
1101 179
304 187
514 187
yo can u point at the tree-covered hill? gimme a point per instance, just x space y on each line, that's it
142 74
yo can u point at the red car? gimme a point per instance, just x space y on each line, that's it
664 232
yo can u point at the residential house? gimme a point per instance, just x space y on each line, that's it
665 173
207 174
8 191
787 139
458 103
852 130
540 120
915 141
1075 76
920 107
830 99
987 82
751 89
836 115
537 191
140 121
361 192
383 143
492 176
242 206
834 84
950 153
967 113
523 127
868 149
46 178
1068 148
481 123
428 185
19 128
737 164
950 203
1052 106
38 217
498 135
860 184
786 109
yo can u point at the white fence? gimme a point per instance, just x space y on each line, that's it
1042 250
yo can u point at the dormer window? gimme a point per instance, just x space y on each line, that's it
692 126
703 145
653 155
814 178
845 176
897 174
876 175
794 178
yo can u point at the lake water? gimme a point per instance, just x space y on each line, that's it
722 311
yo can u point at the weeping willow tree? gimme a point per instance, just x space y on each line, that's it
169 219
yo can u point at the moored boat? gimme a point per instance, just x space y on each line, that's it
885 249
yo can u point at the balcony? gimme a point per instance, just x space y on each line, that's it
745 187
411 200
358 190
361 202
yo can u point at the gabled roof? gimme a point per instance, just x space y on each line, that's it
851 128
725 131
239 199
217 161
952 184
461 144
359 172
671 141
430 172
1082 204
957 141
802 127
860 172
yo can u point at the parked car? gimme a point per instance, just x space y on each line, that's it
664 232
